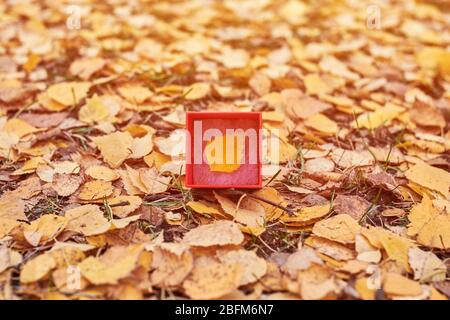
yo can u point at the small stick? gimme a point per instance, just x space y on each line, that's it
119 204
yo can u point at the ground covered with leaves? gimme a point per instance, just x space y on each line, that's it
92 200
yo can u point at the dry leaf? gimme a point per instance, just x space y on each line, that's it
114 147
430 177
212 281
68 93
253 267
397 285
426 265
341 228
218 233
113 265
172 263
87 220
96 189
102 173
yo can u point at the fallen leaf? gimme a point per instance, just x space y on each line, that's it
172 263
430 177
96 189
426 265
87 220
397 285
253 267
212 281
114 147
341 228
218 233
116 263
68 93
102 173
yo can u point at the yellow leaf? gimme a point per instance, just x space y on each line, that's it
248 212
212 281
114 147
218 233
306 216
322 124
315 85
430 223
134 202
49 104
66 184
341 228
32 62
197 91
18 127
37 268
225 153
93 111
141 146
152 181
96 189
46 228
426 265
172 263
253 267
366 293
397 285
273 116
113 265
430 177
101 173
87 220
68 93
135 93
156 159
271 194
203 208
379 117
86 67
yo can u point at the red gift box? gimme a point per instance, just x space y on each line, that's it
202 128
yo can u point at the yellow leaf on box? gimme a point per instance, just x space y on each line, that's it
225 153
